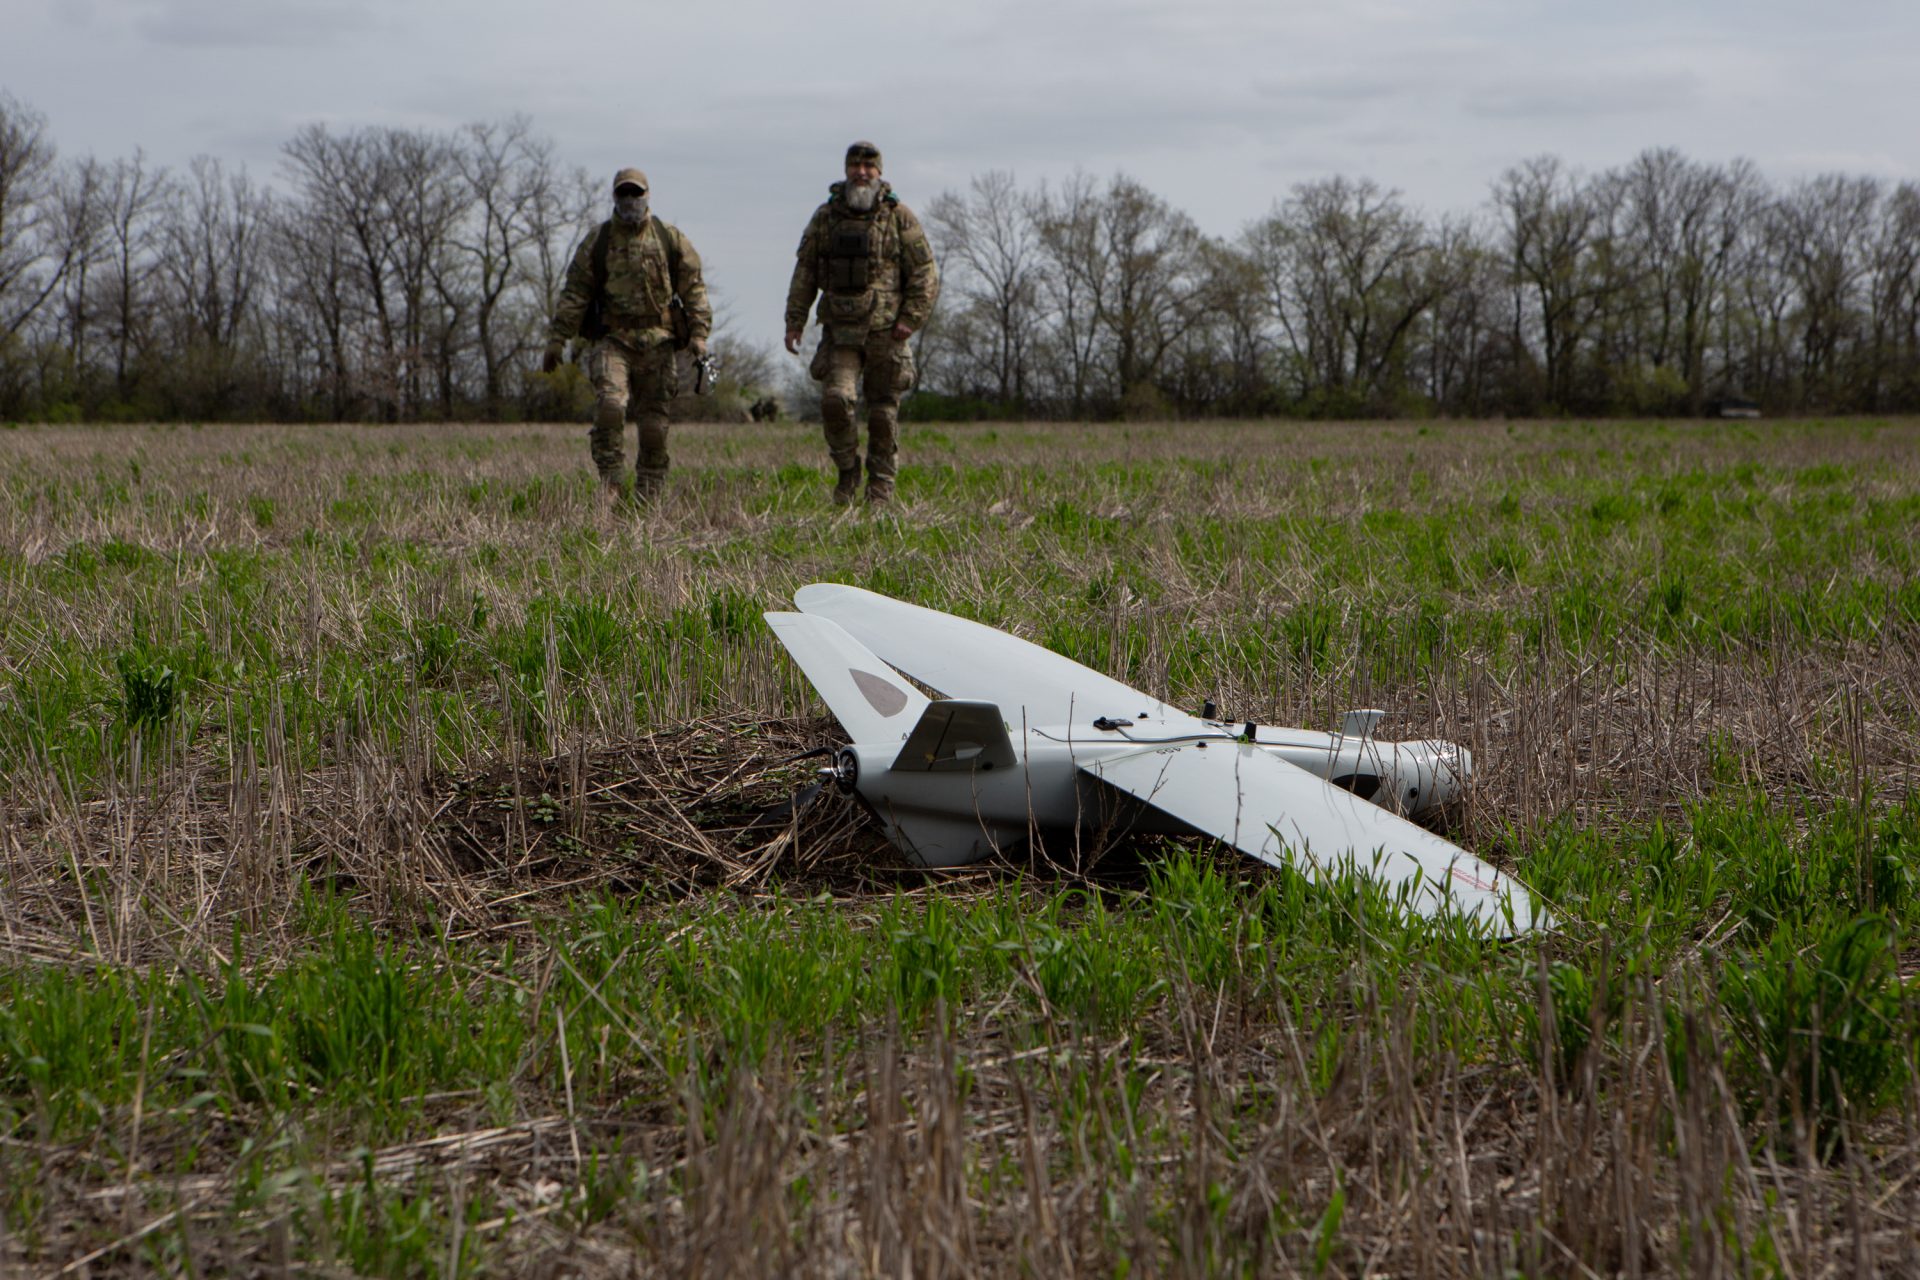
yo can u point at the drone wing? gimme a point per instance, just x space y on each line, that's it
1285 816
965 659
870 701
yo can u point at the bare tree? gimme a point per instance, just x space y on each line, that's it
990 245
1072 265
136 198
1559 256
509 177
385 197
1825 226
1893 362
1233 336
1466 347
78 227
1683 221
213 257
314 317
1147 297
214 260
33 262
1349 272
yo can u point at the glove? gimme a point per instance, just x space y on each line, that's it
551 360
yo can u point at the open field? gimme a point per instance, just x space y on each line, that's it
381 891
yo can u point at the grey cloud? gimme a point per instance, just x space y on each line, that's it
264 24
1333 86
1585 96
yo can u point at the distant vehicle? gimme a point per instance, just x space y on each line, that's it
1031 742
1734 407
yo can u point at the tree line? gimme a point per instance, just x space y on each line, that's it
1666 286
402 274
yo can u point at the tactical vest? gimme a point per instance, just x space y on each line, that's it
860 251
635 294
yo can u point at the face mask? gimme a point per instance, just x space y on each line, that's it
631 210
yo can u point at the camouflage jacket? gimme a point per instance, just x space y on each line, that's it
871 270
646 266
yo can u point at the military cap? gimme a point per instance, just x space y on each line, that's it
864 150
633 176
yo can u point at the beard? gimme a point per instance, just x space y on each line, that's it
861 195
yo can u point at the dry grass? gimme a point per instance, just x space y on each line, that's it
1303 1106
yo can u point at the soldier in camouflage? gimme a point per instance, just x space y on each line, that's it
624 286
867 257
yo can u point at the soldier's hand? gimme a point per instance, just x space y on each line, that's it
698 346
793 341
551 359
901 333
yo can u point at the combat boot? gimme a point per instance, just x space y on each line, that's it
848 485
608 495
647 488
879 492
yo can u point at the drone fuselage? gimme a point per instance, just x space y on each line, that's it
962 812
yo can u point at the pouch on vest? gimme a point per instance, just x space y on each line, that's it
903 370
847 317
849 249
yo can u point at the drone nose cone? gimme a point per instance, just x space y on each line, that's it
1452 767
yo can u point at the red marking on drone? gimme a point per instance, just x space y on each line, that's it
1469 879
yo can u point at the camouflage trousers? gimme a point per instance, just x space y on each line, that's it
883 371
646 378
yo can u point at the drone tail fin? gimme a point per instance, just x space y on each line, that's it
955 735
871 701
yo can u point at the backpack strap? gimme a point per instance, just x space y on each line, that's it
600 255
669 244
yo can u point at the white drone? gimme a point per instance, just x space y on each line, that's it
1029 742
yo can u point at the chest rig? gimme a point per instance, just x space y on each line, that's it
639 279
849 254
858 250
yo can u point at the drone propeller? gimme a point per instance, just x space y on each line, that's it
811 753
799 802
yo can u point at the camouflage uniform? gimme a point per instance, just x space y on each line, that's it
872 270
646 266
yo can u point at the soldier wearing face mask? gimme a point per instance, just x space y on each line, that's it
867 257
630 286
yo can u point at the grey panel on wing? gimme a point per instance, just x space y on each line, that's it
872 703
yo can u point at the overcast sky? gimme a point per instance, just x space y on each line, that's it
740 112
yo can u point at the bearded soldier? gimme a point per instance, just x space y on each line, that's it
632 284
867 257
